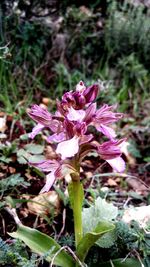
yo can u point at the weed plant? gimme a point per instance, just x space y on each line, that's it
97 47
15 254
131 34
18 71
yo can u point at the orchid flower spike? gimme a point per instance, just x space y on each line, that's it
69 129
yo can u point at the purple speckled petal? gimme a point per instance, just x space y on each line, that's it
68 148
117 164
36 130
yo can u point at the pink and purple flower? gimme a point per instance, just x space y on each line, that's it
70 130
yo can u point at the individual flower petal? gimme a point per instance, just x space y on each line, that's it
91 92
68 98
35 130
40 115
117 164
75 115
110 149
46 165
68 148
80 128
80 86
90 113
85 139
80 100
69 128
56 126
105 115
50 179
56 138
107 131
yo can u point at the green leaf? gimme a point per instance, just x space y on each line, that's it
43 245
100 211
5 159
14 201
90 238
120 263
133 149
12 181
107 240
24 137
34 149
36 158
22 156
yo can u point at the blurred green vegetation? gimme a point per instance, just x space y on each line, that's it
47 47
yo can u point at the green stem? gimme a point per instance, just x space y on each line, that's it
77 191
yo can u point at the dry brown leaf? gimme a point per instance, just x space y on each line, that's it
88 175
12 170
111 182
2 175
85 10
87 163
45 203
50 152
137 185
118 179
68 178
47 101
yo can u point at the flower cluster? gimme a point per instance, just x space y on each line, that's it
69 128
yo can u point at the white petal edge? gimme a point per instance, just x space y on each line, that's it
117 164
68 148
36 130
75 115
107 131
50 179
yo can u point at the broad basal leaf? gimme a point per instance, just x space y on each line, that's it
107 240
90 238
99 212
43 245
